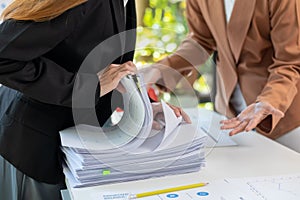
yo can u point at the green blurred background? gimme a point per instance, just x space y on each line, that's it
162 25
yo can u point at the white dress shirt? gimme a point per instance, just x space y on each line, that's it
125 2
228 8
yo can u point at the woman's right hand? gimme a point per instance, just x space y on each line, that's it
110 77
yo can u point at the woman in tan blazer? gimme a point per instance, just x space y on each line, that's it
258 62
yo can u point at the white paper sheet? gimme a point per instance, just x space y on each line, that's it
210 124
171 120
130 150
285 187
216 190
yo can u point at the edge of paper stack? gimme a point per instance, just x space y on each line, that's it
131 150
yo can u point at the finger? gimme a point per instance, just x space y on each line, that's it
176 110
239 129
252 124
156 107
127 68
160 117
186 117
229 121
232 125
256 119
114 65
130 66
156 125
129 63
109 69
121 88
120 75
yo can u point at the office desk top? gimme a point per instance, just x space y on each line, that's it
255 155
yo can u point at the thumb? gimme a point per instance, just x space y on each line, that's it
156 125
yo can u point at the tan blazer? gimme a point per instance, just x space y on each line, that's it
259 47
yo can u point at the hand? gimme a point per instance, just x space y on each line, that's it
151 74
158 114
250 117
110 77
163 76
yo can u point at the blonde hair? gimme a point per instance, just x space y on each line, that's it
38 10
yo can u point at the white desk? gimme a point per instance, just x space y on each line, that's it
255 156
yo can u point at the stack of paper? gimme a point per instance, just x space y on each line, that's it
131 150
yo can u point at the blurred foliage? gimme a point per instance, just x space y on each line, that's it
164 27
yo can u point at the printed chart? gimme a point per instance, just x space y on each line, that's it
285 187
216 190
271 188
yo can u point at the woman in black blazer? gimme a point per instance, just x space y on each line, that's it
41 51
44 44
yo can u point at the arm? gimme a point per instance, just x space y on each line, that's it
199 44
281 87
23 66
192 52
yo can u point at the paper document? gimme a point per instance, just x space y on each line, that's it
216 136
210 123
129 149
286 187
215 190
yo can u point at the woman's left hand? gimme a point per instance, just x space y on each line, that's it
158 114
250 117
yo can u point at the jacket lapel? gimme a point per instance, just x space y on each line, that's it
216 12
217 22
118 8
239 24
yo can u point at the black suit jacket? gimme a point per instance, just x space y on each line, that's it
38 66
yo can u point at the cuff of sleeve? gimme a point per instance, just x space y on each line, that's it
267 125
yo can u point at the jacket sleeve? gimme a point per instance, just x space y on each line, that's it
199 44
192 52
281 86
22 64
198 28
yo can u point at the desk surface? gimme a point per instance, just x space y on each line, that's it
255 155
